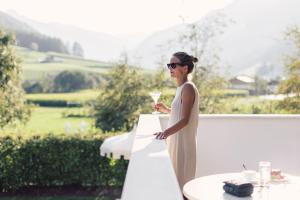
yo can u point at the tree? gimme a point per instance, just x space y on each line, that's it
291 85
12 101
44 43
69 81
260 86
159 79
292 64
35 87
77 50
121 101
198 40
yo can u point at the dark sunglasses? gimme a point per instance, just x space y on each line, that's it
173 65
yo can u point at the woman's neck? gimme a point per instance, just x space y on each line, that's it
181 80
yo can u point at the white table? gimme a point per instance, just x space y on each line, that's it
211 188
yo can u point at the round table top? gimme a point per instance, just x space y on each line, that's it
211 188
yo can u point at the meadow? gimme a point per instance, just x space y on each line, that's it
35 68
79 96
57 120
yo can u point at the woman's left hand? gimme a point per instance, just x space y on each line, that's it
161 135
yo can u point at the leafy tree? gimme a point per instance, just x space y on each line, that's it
12 101
77 50
260 86
158 80
291 85
35 87
161 77
69 81
121 101
198 40
43 43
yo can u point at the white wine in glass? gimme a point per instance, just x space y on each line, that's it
155 96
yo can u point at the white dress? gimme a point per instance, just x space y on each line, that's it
182 145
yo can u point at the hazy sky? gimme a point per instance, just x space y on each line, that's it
115 16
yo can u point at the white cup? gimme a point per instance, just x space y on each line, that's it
249 175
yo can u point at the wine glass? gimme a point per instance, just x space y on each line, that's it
155 96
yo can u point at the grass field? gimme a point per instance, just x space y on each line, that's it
58 120
34 69
52 120
47 119
80 96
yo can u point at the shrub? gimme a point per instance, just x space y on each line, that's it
57 161
69 81
35 87
54 103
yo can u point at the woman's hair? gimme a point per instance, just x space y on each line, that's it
186 59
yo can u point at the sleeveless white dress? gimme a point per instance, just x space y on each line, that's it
182 145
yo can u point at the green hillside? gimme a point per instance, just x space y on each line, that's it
37 65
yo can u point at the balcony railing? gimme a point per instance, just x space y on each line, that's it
150 174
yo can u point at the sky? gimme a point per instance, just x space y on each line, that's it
115 16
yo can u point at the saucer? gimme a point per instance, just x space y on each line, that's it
281 180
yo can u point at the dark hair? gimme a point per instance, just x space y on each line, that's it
186 59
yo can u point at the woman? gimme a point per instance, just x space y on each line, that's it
183 121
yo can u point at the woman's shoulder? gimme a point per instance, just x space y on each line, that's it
190 86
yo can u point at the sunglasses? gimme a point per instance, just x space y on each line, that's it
173 65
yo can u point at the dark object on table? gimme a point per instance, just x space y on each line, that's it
240 190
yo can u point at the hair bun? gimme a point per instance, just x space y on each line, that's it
194 59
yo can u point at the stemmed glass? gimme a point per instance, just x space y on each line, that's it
155 96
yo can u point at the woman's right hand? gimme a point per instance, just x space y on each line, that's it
161 107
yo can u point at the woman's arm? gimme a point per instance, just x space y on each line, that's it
187 98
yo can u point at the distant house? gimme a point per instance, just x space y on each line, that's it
51 59
242 82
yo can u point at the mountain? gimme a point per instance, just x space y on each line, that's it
153 50
10 23
253 44
96 45
28 37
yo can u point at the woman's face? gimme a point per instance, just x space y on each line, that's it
179 69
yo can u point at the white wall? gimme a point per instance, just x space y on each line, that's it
226 142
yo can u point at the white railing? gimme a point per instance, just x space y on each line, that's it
150 175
